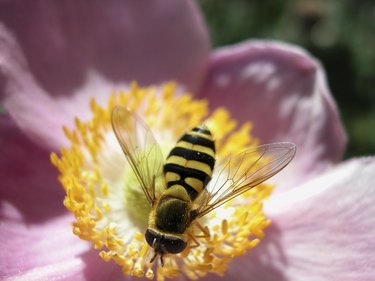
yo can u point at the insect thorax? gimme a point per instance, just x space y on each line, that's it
172 215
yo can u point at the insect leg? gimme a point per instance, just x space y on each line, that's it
153 190
205 231
153 258
197 244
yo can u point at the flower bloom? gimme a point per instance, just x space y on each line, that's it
321 211
112 212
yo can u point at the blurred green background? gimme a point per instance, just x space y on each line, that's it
340 33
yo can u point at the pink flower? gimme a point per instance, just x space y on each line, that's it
54 56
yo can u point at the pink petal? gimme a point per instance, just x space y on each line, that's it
28 179
50 52
36 238
323 230
49 252
283 91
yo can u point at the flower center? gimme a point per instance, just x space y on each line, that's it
111 209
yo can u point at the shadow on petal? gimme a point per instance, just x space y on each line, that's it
29 183
123 40
97 269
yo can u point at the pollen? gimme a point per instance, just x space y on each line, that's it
110 208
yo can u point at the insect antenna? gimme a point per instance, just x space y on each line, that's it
153 258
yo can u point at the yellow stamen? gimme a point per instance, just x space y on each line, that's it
112 212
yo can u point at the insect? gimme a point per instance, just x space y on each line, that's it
190 188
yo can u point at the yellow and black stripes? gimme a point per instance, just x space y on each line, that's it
191 162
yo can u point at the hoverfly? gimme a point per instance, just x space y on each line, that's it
189 191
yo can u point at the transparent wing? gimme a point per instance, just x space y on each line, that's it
243 172
140 147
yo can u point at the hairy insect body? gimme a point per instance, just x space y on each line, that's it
187 171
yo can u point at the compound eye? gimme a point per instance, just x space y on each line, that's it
150 236
174 245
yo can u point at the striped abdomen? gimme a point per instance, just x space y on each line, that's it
191 162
